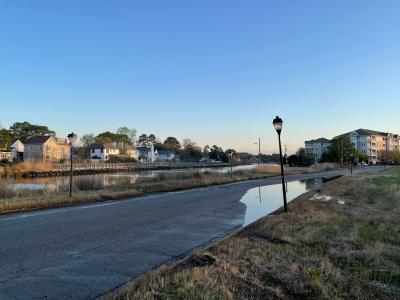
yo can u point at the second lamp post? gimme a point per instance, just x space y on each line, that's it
277 122
72 137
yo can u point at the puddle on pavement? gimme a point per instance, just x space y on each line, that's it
263 200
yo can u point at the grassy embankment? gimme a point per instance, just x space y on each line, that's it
18 169
90 188
320 249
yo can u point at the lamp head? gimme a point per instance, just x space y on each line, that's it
277 122
72 137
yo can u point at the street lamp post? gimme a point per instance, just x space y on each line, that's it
277 122
230 160
72 137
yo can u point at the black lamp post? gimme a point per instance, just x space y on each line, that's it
72 137
351 163
277 122
230 153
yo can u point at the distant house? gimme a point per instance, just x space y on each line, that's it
17 149
206 159
132 152
165 155
316 147
147 154
46 148
103 151
6 156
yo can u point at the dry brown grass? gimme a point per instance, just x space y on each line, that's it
40 201
317 250
275 169
181 181
28 166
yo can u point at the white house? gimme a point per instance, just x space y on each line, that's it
147 154
165 155
103 151
17 149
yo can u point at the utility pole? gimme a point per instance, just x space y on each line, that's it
286 159
386 155
259 151
342 152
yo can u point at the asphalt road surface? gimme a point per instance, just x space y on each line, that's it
81 252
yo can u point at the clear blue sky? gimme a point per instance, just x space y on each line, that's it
215 71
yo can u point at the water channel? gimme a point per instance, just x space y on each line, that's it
107 179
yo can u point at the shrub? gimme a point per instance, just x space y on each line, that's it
88 183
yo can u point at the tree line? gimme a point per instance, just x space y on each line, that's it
187 150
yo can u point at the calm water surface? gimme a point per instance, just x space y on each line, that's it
108 179
263 200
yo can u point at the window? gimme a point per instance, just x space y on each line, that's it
92 150
101 150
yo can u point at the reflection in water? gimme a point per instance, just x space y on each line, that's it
264 200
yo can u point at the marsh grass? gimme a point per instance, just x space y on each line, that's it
318 250
27 166
88 183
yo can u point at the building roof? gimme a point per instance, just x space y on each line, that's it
102 146
165 152
362 131
320 140
130 147
38 139
61 141
143 148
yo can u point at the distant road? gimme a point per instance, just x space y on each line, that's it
81 252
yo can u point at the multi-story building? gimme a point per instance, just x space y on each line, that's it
374 144
46 148
315 148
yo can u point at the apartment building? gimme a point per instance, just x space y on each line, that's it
374 143
315 148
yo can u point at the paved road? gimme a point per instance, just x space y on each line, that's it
82 252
